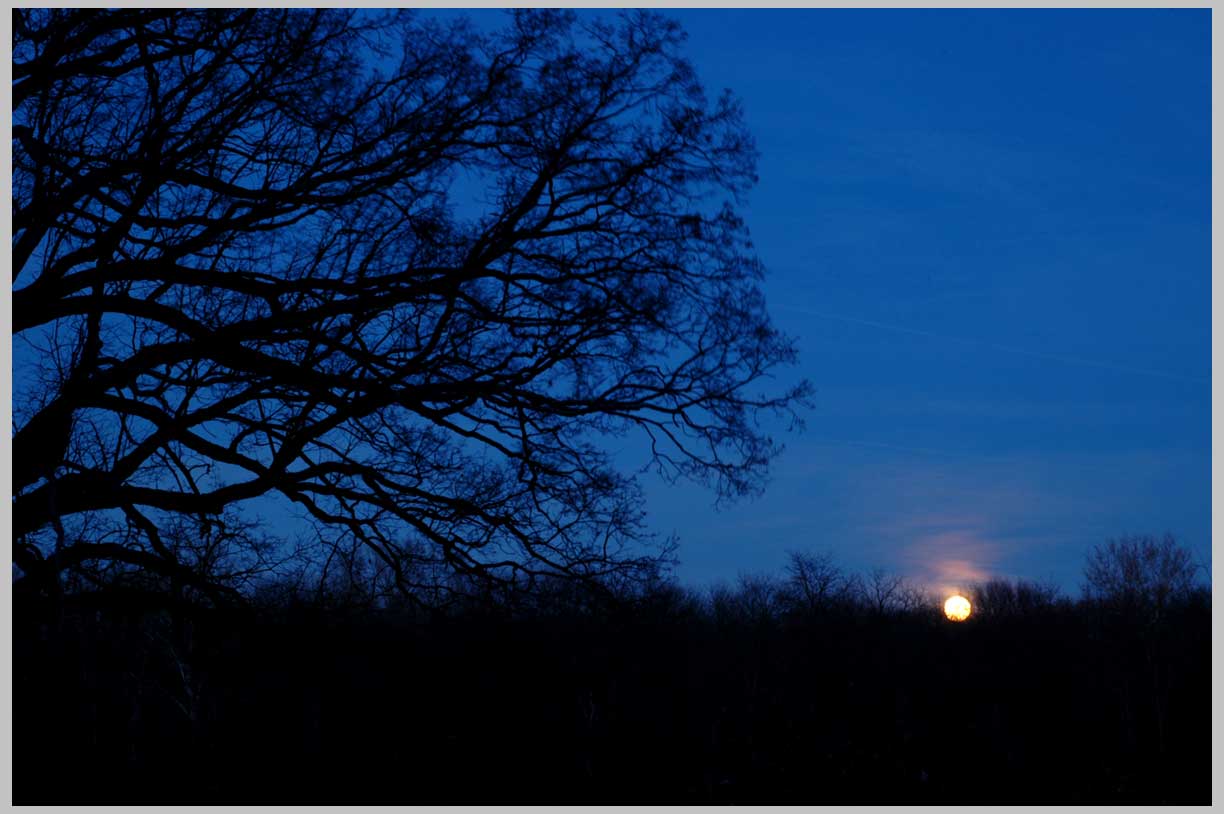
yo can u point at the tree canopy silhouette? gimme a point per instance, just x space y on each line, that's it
1140 574
401 273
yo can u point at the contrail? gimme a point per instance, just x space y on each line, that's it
1053 357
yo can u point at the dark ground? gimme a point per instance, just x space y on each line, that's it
672 700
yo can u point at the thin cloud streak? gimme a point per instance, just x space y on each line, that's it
899 448
1052 357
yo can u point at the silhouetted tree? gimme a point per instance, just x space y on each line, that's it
666 697
398 273
885 592
1142 588
754 599
1001 598
816 583
1139 574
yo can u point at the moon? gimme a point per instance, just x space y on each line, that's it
957 608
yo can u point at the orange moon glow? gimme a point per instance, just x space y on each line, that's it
957 608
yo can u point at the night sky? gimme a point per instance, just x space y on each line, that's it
987 231
990 233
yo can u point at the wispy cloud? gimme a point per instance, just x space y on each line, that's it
944 518
950 560
980 343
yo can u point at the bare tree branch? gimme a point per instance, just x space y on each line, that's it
401 274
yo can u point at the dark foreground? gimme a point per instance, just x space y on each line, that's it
672 699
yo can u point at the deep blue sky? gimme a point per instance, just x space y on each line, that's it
990 233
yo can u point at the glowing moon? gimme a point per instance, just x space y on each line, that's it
957 608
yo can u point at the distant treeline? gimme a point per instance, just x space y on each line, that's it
813 686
